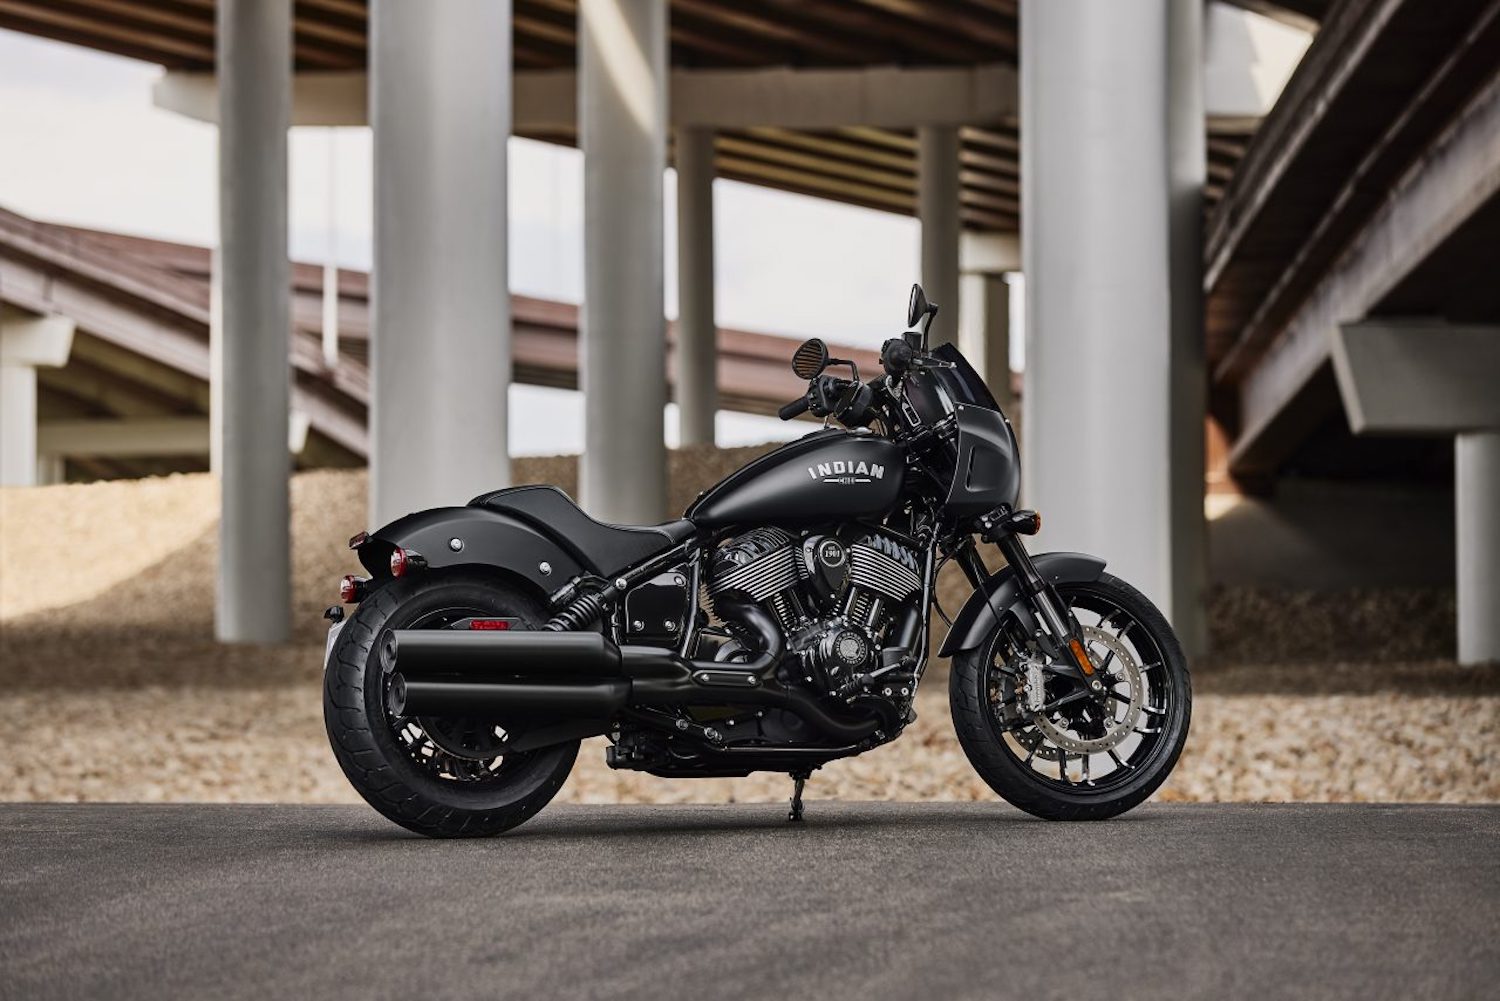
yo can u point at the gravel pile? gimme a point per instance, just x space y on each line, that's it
114 689
267 744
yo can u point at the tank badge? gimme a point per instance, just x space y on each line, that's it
840 471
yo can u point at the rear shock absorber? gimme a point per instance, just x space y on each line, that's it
583 609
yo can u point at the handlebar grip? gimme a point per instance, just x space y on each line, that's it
793 409
896 356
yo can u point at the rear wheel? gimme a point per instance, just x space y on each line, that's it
438 777
1051 750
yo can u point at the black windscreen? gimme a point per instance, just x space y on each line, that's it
962 383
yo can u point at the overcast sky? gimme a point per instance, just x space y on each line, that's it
82 144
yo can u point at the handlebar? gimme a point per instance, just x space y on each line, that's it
794 409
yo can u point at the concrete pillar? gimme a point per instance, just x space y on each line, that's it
252 341
1103 188
622 114
985 336
51 469
27 341
18 454
1187 172
697 332
937 210
1476 489
440 111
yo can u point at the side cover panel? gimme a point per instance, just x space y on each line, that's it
988 605
485 538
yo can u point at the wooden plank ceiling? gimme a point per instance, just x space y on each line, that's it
875 168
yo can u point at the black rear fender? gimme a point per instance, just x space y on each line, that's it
1001 595
447 537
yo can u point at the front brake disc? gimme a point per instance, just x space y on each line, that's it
1117 726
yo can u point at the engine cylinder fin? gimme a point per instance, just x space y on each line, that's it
766 575
871 569
783 610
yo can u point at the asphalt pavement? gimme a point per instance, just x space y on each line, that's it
864 901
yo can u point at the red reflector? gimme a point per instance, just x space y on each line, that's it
489 623
398 562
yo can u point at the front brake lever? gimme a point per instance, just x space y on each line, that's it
847 400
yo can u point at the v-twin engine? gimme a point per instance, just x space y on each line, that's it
846 600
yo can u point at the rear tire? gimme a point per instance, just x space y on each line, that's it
403 779
976 690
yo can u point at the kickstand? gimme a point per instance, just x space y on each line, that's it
799 780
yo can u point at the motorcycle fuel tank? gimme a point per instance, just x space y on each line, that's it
826 476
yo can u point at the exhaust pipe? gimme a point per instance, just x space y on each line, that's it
481 700
431 654
504 675
517 675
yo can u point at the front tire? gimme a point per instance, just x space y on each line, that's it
1067 764
448 784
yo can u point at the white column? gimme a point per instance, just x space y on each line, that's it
985 338
331 263
440 110
937 210
26 342
18 454
1188 170
1099 182
697 332
51 469
1476 488
252 339
622 114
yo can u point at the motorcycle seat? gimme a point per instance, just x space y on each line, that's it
605 549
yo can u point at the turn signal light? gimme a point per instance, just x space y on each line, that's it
1025 522
351 589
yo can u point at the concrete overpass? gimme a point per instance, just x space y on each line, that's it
902 106
131 396
1352 281
1109 127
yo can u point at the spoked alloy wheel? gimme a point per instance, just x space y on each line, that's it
1048 745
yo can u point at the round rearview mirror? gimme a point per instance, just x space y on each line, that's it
916 307
810 359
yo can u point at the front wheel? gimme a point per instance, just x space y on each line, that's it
1045 749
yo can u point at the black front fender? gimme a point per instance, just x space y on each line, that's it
472 536
1002 592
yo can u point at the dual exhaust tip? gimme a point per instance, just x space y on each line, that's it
530 681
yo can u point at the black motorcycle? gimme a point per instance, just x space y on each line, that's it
780 624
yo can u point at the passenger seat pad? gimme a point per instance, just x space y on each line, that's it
606 549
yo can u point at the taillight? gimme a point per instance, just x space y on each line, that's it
355 541
403 560
352 589
489 623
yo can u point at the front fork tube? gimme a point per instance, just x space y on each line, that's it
1055 617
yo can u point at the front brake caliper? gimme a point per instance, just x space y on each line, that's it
1031 691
